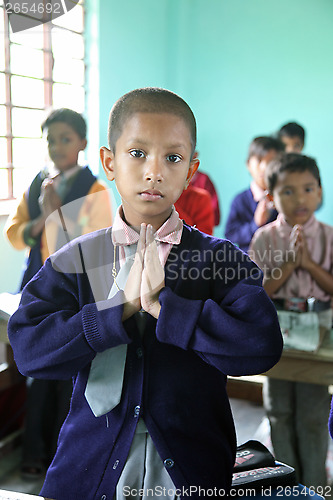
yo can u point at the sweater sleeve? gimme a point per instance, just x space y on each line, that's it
54 336
237 331
240 225
16 225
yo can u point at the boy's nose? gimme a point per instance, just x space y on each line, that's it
153 170
300 198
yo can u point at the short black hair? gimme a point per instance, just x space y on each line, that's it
148 100
72 118
290 162
260 146
292 129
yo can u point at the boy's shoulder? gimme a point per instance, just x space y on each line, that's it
327 227
88 251
243 200
266 231
244 195
194 239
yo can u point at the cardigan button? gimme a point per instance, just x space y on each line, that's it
136 411
169 463
103 497
139 352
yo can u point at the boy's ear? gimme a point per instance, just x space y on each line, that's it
192 169
107 162
320 196
84 144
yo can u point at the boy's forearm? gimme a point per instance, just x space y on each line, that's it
273 284
204 326
323 278
37 226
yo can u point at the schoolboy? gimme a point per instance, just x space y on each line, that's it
298 412
195 207
251 209
64 182
203 181
292 135
166 420
87 208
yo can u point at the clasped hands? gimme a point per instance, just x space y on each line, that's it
146 277
298 245
263 210
49 201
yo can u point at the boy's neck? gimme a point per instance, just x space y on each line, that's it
68 169
155 222
305 224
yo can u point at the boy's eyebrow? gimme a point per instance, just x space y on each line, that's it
293 185
61 135
142 142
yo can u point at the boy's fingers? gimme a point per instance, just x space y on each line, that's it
151 255
149 235
140 250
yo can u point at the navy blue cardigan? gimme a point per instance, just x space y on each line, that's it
215 320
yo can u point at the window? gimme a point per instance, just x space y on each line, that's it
39 68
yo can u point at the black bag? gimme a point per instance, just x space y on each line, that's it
256 468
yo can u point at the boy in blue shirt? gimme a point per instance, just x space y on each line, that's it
251 209
149 317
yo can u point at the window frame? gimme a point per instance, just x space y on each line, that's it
48 82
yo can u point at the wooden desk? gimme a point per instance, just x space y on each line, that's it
299 366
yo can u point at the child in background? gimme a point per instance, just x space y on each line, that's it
196 208
297 411
202 181
251 209
65 182
293 137
150 339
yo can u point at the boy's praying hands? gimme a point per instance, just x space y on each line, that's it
146 277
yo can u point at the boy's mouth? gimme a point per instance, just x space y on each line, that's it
151 195
301 211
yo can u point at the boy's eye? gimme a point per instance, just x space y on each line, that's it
287 192
65 140
137 153
309 189
174 158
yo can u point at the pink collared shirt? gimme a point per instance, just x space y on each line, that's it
166 236
268 250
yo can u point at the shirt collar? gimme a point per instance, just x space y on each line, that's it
170 232
70 172
53 173
309 228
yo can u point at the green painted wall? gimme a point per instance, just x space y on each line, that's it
245 67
